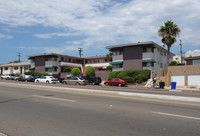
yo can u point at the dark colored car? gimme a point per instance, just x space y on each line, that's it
115 81
25 78
94 80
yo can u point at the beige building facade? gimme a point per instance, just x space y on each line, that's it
14 68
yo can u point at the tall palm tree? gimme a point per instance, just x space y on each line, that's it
169 32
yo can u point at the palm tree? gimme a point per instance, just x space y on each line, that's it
169 32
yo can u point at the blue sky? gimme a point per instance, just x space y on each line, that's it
33 27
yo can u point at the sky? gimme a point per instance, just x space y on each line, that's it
32 27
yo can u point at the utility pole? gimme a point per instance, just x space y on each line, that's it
181 52
19 55
80 51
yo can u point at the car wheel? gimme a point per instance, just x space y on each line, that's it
47 82
64 83
1 78
77 83
119 85
93 83
107 84
37 81
26 81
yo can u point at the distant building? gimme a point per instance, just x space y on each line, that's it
178 58
193 60
13 68
141 55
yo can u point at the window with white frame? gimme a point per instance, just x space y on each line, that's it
15 68
196 62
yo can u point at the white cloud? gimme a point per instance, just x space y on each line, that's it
50 35
192 53
3 36
105 22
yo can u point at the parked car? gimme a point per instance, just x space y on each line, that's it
94 80
115 81
26 78
8 77
75 80
46 79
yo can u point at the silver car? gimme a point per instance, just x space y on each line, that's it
73 80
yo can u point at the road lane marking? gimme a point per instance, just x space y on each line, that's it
53 98
176 115
1 134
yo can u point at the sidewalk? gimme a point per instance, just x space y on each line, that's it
168 88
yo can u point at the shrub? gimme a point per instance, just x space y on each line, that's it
17 74
37 74
109 68
131 76
68 69
122 75
113 74
129 79
75 71
89 71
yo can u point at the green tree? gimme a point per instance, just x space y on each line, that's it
75 71
109 68
68 69
173 63
169 32
89 71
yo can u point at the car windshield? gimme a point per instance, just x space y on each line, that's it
81 78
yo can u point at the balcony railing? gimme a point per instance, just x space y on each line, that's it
32 64
51 63
147 55
117 69
117 57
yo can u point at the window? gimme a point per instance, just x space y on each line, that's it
6 68
112 80
144 49
144 64
196 62
15 68
26 67
116 79
161 65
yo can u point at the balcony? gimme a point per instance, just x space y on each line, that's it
148 55
117 69
32 64
117 57
51 63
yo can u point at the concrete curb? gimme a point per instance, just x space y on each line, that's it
117 93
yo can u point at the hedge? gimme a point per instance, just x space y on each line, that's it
131 76
36 74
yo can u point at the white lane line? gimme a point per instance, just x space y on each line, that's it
1 134
54 98
175 115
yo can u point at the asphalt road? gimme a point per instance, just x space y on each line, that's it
26 111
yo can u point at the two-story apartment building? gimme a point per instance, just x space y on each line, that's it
141 55
14 68
54 64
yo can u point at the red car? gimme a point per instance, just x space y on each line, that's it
115 81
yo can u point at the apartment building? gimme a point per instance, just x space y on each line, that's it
141 55
55 64
14 68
